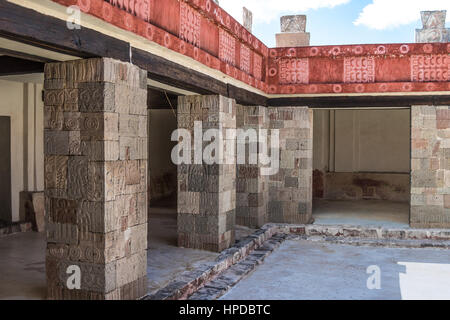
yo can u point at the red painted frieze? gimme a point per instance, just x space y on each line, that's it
203 31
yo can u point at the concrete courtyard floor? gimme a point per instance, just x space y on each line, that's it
22 257
389 214
310 270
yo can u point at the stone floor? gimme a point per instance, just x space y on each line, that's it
22 266
22 256
165 259
305 270
363 213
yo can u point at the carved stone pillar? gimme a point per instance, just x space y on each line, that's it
430 167
251 185
96 179
290 191
207 191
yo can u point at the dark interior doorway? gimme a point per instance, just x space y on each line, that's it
5 169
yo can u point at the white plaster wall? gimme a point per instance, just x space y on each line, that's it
22 101
362 140
162 123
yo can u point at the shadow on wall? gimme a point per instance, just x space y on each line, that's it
361 186
162 186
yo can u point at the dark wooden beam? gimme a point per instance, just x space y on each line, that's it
171 73
245 97
360 102
31 27
15 66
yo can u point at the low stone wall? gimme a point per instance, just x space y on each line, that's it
359 186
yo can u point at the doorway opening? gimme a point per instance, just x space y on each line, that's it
362 167
5 171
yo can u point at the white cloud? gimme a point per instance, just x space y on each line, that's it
266 11
384 14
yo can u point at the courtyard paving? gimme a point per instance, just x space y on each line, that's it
310 270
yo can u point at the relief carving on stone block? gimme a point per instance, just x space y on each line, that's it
294 24
56 172
433 19
64 211
78 177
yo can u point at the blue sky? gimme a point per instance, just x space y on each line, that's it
333 22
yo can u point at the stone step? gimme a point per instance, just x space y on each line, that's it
365 232
217 287
190 282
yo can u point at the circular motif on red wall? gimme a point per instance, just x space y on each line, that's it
360 88
107 12
290 89
208 60
383 87
256 44
236 29
427 48
337 88
228 21
196 53
407 87
272 89
85 5
149 33
128 20
314 51
227 70
182 47
358 50
273 72
312 88
292 52
335 51
273 53
430 87
208 5
167 40
381 50
404 49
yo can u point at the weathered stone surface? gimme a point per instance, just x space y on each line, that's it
247 19
430 183
206 197
433 19
290 190
96 201
433 27
251 186
296 23
32 208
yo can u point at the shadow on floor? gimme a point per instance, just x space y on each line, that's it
362 213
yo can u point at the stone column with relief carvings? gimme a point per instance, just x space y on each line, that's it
207 192
290 190
430 167
96 179
251 185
